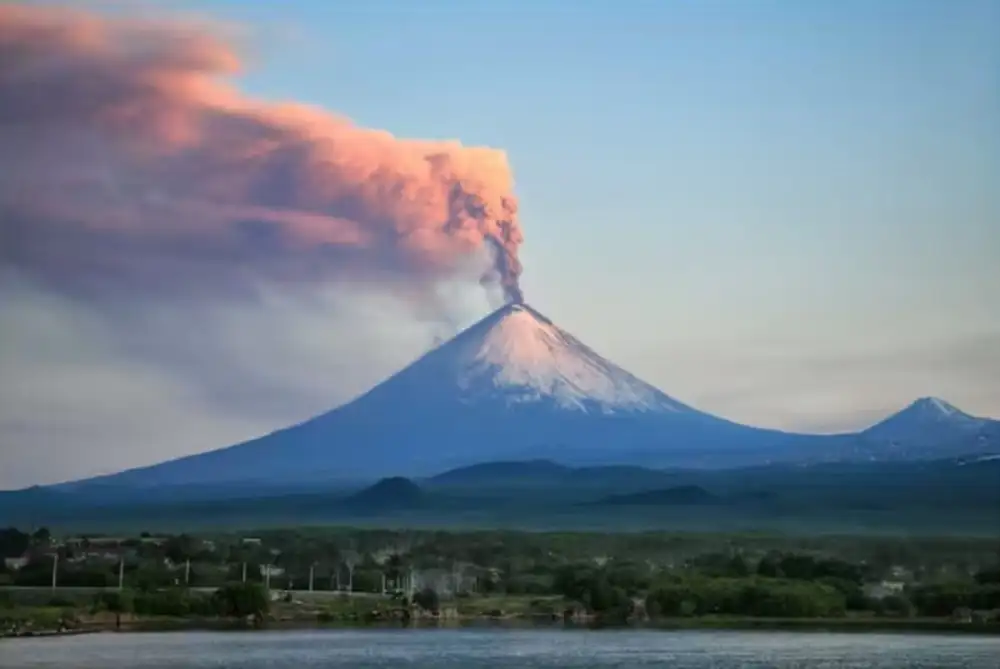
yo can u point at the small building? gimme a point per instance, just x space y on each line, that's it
884 589
449 582
900 573
16 563
984 617
94 542
270 570
99 557
962 615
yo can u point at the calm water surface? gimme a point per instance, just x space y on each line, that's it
493 649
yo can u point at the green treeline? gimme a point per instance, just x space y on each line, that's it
621 576
779 586
767 597
234 600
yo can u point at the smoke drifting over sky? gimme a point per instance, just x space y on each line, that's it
183 267
131 163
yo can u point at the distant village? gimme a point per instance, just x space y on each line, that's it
118 561
947 581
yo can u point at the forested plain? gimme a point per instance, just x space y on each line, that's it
606 578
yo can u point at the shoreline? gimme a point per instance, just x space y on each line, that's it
829 625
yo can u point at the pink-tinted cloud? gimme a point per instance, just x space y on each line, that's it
128 158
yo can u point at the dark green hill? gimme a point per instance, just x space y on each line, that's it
685 495
520 472
388 494
955 495
551 476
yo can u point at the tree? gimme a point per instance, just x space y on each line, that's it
770 566
13 543
428 600
896 606
721 564
988 575
242 600
118 603
746 596
350 559
180 548
42 536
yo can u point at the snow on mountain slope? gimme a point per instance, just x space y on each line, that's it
517 355
930 428
926 415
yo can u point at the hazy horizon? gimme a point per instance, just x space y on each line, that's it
780 213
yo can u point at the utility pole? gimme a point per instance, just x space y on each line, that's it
55 568
187 572
267 577
350 560
244 572
121 572
312 571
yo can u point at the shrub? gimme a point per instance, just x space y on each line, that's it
117 602
895 605
767 597
428 600
241 600
173 602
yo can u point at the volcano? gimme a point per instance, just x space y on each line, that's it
513 386
931 427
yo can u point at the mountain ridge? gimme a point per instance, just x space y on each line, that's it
515 386
923 413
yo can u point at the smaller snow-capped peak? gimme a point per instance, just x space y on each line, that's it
926 413
934 406
935 410
519 355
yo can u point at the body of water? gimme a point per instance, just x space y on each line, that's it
507 649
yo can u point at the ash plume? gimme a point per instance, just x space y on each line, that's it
131 161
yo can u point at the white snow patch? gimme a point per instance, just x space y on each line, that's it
938 406
525 358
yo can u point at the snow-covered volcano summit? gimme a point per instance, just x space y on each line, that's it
516 355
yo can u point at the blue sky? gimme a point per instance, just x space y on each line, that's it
787 212
813 176
772 159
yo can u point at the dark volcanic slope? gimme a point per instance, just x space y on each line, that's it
388 494
687 495
501 473
930 428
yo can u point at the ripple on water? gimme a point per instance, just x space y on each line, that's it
506 649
